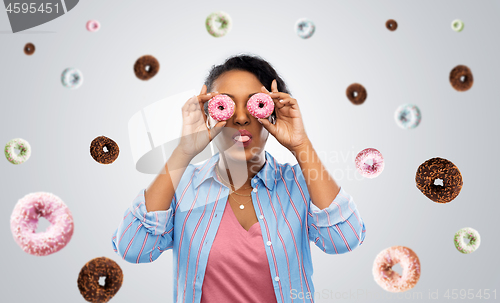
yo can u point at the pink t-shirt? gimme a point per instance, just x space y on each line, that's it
237 268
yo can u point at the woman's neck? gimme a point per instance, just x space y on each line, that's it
240 173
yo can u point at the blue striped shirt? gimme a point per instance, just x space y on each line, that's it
287 217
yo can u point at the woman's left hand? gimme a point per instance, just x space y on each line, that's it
289 128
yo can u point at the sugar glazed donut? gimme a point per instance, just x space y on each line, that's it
91 272
29 48
24 151
72 78
104 150
407 116
365 169
93 25
146 67
221 107
260 105
439 168
225 24
391 25
461 78
467 233
389 279
24 221
356 93
457 25
304 28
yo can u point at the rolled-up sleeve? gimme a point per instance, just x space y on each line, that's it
338 228
142 236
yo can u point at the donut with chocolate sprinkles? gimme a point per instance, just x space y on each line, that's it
104 150
88 280
29 48
356 93
391 25
461 78
146 67
439 168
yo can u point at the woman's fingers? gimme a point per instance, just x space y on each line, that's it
216 129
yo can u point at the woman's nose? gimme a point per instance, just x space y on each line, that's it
241 115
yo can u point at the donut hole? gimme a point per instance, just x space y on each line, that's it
75 78
466 240
261 105
390 24
105 149
147 68
438 182
369 161
221 107
397 268
43 224
354 94
463 78
17 150
102 281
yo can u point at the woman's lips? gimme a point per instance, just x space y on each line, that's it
243 136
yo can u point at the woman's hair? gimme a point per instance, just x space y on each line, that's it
253 64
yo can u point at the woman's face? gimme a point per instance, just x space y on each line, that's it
240 86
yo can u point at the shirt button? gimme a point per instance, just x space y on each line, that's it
268 243
276 278
254 180
261 217
255 190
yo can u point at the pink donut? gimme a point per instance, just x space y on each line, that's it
93 26
389 279
367 170
24 221
221 107
260 105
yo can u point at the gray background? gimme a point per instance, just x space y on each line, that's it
351 44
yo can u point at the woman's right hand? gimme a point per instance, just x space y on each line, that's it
195 134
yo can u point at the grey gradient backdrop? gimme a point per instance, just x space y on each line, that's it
351 44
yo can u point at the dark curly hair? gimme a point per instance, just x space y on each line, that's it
250 63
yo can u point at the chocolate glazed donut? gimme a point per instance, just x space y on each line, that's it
461 78
146 67
88 280
104 156
356 93
439 168
29 48
391 25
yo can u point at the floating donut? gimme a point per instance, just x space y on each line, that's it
457 25
304 28
72 78
221 107
225 24
461 78
389 279
365 169
146 67
260 105
407 116
104 150
467 233
29 48
91 272
24 221
391 25
24 151
439 168
93 25
356 93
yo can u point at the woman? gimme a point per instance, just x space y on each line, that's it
239 225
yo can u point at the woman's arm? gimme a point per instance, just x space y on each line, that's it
160 192
322 187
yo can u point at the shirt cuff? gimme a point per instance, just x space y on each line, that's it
338 211
155 222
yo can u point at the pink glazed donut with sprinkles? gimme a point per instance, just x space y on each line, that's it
24 221
389 279
221 107
93 25
260 105
367 170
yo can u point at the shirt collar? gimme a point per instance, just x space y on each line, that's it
267 174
